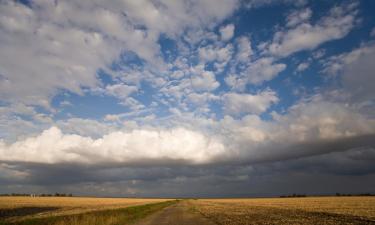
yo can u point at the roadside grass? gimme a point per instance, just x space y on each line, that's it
106 217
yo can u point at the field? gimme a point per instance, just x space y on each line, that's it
116 211
310 210
13 209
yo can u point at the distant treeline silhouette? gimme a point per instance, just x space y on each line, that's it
337 194
361 194
293 196
39 195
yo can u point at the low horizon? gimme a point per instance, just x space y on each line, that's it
292 195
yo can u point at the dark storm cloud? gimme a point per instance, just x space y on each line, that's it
266 178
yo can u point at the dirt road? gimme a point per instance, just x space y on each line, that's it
177 214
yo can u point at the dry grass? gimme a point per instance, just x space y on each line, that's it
121 216
66 205
312 210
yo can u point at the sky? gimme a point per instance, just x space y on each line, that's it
195 98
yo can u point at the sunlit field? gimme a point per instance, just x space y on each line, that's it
23 208
309 210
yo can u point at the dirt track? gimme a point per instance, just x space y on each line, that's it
176 214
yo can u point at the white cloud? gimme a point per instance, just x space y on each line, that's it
337 24
60 45
239 104
302 66
248 138
335 64
121 91
132 103
244 50
298 17
201 99
227 32
205 81
256 72
84 127
112 117
52 146
263 69
306 121
212 53
263 3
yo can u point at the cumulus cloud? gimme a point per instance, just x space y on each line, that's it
212 53
303 35
302 66
205 81
335 64
85 127
305 130
256 72
237 104
227 32
339 141
244 50
264 3
120 91
70 41
298 17
356 70
52 146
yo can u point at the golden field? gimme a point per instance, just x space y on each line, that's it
309 210
67 205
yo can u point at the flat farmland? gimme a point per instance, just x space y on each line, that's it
21 208
309 210
106 211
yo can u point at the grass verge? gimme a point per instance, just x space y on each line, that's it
107 217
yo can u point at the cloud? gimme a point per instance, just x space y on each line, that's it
52 146
256 72
298 17
120 91
227 32
239 104
303 35
356 70
85 127
304 130
70 41
302 66
325 145
201 98
265 3
358 78
244 50
335 64
205 81
212 53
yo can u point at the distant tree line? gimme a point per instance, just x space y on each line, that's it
293 196
361 194
337 194
39 195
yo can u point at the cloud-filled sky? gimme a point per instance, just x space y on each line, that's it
187 98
